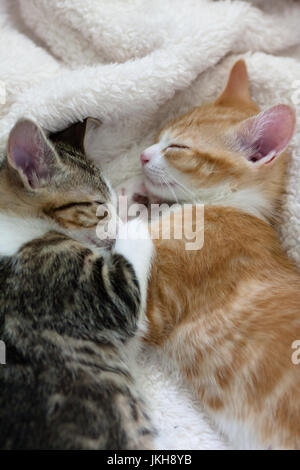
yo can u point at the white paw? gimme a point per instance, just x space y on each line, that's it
135 244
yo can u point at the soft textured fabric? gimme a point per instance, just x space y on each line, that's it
135 64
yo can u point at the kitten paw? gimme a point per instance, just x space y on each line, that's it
135 244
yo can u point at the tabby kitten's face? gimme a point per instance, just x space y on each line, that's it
221 148
54 182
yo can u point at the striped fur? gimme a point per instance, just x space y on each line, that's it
69 312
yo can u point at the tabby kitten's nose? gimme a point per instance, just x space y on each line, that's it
144 159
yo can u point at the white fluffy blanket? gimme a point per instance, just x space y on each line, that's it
135 64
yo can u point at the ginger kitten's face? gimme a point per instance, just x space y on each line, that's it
53 181
218 149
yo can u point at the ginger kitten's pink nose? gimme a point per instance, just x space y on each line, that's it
144 159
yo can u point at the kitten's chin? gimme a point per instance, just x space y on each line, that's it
158 192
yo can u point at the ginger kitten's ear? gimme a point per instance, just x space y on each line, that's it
265 136
75 134
31 154
237 87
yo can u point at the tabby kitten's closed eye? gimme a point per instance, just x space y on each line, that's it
69 307
228 315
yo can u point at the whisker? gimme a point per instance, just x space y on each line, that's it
169 187
187 191
160 174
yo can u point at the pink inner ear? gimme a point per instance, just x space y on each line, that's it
23 161
269 133
27 151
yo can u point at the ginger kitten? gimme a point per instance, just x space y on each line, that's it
229 314
224 152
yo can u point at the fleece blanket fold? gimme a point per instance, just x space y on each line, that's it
135 64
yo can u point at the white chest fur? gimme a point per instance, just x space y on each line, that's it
15 231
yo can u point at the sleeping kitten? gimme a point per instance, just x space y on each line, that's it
228 315
225 152
68 310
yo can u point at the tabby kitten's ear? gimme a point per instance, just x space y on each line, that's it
31 154
237 87
75 134
265 136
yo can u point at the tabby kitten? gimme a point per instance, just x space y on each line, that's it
228 315
69 310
